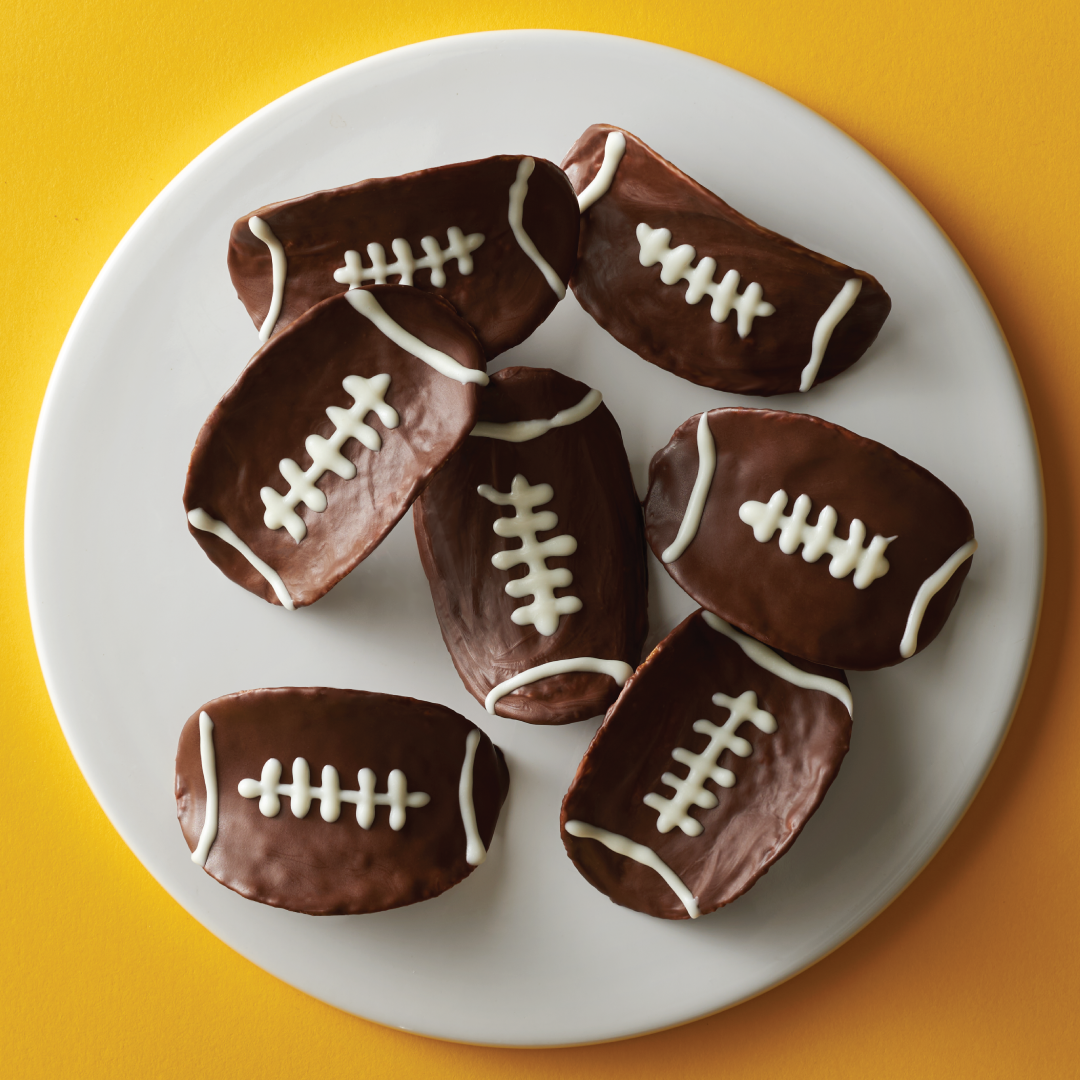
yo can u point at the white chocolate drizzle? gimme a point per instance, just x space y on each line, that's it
519 431
765 658
326 455
691 522
475 852
676 266
617 669
518 190
209 771
371 309
279 265
614 148
868 563
269 789
623 845
201 520
541 581
927 590
692 791
823 331
458 246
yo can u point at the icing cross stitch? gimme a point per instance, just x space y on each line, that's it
458 246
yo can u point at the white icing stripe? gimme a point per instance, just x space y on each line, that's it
209 771
263 232
618 670
828 322
475 852
927 590
623 845
518 190
518 431
614 148
765 658
201 520
688 527
369 307
458 246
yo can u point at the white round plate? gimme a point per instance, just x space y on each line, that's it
136 628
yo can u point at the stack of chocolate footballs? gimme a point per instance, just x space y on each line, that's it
810 549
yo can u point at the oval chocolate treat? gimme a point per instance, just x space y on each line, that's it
336 802
531 539
327 436
689 284
810 538
705 770
497 238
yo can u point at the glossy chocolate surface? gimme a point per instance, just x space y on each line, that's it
336 867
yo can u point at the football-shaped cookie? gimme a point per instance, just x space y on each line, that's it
689 284
336 802
327 436
497 238
704 771
532 544
810 538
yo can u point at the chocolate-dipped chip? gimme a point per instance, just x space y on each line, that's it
704 771
768 317
532 543
815 540
497 238
336 802
327 436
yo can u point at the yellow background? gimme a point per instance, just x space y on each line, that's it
975 970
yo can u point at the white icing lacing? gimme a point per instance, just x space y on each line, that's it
765 658
268 790
475 852
676 265
927 590
623 845
201 520
518 190
617 669
209 771
541 581
868 563
614 148
691 522
692 791
279 266
841 305
326 455
518 431
458 246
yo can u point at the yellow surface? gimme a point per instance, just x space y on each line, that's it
975 970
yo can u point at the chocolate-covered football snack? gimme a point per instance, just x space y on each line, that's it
704 771
497 238
810 538
768 317
405 804
531 539
326 437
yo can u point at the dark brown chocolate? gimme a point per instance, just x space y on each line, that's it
750 824
505 296
653 318
594 499
782 599
338 867
281 400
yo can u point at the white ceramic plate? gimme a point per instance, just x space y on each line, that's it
136 628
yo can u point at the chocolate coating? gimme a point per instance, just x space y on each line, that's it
281 398
777 787
781 599
337 868
595 501
504 298
653 318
